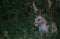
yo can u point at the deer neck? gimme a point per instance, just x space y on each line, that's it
44 22
43 25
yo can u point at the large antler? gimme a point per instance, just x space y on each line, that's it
49 3
36 11
35 8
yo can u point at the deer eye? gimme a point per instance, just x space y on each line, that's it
39 19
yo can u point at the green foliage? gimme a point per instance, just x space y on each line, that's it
19 26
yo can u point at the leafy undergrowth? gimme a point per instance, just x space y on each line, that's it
20 28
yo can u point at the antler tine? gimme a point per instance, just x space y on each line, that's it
49 4
35 8
41 11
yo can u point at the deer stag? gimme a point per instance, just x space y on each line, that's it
42 24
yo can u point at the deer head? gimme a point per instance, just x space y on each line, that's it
40 22
38 14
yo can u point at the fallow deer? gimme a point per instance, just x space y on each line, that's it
42 24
